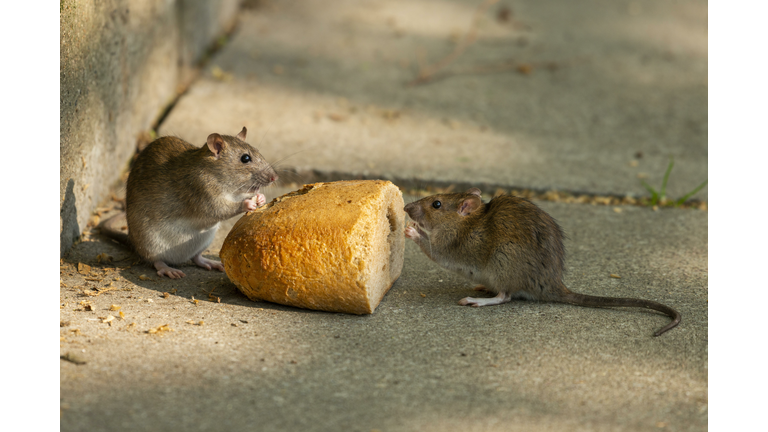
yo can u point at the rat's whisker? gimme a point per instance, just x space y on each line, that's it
290 176
275 163
429 242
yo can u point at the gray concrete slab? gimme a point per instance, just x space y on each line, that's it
321 85
419 363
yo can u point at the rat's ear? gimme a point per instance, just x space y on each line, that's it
474 191
216 144
469 205
241 135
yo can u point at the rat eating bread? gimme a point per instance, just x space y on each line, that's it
335 246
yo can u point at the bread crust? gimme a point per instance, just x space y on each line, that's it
335 247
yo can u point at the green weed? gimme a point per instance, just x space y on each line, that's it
660 196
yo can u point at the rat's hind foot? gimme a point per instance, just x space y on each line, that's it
163 270
477 302
206 263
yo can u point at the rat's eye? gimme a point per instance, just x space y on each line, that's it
437 204
245 159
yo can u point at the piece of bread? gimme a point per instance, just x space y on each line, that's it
329 246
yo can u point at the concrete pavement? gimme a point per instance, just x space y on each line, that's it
321 85
419 363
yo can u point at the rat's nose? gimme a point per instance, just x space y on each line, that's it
413 210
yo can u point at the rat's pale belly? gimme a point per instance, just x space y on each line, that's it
179 241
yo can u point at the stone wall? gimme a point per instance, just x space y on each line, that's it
121 64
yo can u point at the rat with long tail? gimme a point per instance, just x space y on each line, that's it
510 246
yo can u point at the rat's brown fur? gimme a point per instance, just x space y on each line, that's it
509 245
177 194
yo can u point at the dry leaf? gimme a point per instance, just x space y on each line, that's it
73 358
525 69
108 319
166 295
422 294
145 278
103 257
122 315
114 307
83 268
159 329
390 114
101 291
101 210
615 276
337 117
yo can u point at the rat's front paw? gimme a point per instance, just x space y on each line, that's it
411 233
252 204
260 199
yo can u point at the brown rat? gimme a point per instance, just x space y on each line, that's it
510 246
177 194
